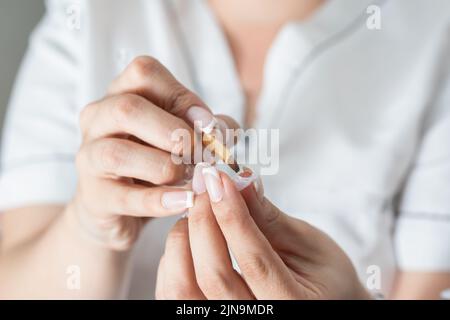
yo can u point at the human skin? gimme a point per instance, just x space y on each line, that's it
250 27
279 257
126 136
39 242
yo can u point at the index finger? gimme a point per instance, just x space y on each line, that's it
262 268
213 267
147 77
130 114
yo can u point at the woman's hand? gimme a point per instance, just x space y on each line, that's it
279 257
125 159
123 165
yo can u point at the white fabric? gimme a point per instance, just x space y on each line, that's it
364 117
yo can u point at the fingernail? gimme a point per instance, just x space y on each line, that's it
213 184
177 200
202 119
241 180
198 183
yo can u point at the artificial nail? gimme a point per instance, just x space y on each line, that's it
213 184
241 180
201 119
198 183
177 200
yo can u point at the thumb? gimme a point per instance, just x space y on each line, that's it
267 216
282 230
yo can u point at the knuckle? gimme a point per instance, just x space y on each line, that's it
145 66
128 107
169 171
255 267
273 215
86 116
112 155
179 99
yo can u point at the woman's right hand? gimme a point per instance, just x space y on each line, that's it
124 163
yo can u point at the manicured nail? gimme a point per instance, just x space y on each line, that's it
198 183
213 184
241 180
201 118
177 200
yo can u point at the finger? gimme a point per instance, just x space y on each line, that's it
159 288
113 157
134 115
213 267
179 275
267 217
121 198
262 268
297 234
147 77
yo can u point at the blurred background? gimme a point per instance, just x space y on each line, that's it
17 20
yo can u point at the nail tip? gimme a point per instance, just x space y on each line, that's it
213 184
198 185
210 170
189 199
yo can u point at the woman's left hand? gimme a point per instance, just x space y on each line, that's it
279 257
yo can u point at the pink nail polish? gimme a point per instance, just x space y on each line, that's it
202 119
177 200
213 184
